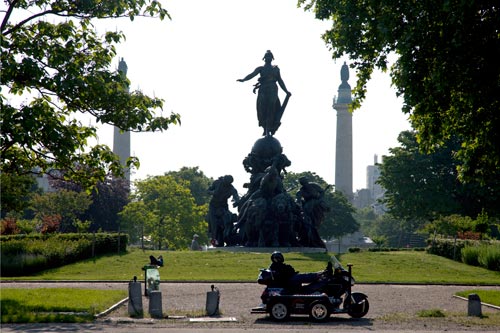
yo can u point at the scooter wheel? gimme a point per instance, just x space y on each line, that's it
279 311
360 306
319 311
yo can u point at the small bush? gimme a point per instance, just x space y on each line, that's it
391 249
489 257
449 248
484 255
432 313
8 226
470 255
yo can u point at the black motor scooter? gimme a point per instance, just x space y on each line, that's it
332 294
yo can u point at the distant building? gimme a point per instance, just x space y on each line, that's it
43 179
369 196
362 198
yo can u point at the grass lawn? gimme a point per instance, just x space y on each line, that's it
416 267
487 296
51 305
215 266
55 304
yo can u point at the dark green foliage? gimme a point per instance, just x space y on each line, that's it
164 208
446 68
433 313
472 252
16 191
470 255
339 219
421 187
448 248
484 255
28 254
394 249
56 66
198 183
386 230
108 199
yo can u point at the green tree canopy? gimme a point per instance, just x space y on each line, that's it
133 220
69 205
422 187
55 67
447 67
108 199
16 191
173 216
198 183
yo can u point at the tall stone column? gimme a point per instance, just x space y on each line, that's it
343 152
121 140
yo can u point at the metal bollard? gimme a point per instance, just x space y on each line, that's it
134 298
155 306
213 298
474 306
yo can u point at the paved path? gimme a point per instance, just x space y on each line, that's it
387 304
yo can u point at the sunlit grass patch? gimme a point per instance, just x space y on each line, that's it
215 266
487 296
55 304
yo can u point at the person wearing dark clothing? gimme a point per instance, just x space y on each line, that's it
156 262
286 275
195 246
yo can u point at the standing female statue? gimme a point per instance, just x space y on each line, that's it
269 108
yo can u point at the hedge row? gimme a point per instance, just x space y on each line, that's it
472 252
449 248
385 249
28 254
485 255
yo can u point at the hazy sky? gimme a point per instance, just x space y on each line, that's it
193 62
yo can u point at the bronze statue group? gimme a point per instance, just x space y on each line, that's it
268 216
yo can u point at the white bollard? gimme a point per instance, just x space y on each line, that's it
134 299
155 306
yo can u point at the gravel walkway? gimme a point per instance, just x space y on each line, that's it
391 306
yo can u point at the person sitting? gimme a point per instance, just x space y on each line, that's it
195 246
286 276
156 262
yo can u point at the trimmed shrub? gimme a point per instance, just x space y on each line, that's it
393 249
449 248
470 255
489 257
471 252
484 255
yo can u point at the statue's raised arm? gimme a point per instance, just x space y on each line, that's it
251 75
269 108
